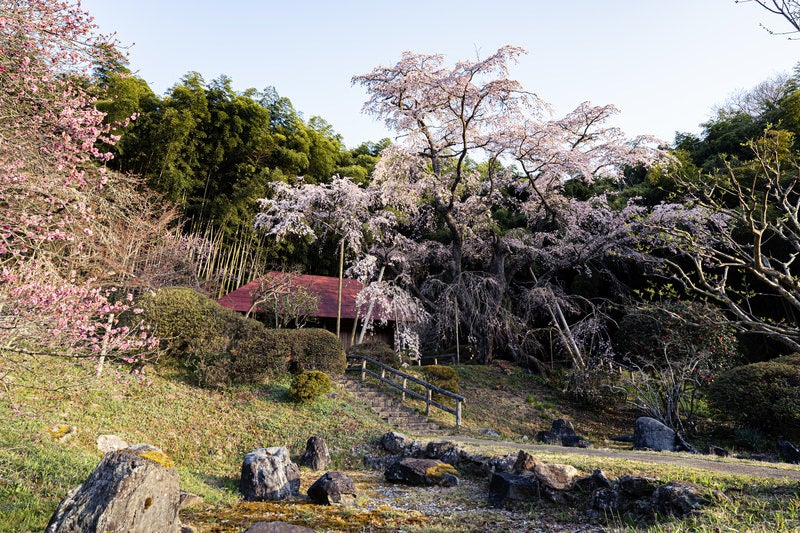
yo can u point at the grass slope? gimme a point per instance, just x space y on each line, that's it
207 433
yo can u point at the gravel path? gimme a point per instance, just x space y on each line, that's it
729 466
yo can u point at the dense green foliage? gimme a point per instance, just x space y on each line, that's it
316 349
213 150
258 354
218 346
762 395
309 385
678 331
187 322
378 350
442 376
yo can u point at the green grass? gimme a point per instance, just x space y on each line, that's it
207 433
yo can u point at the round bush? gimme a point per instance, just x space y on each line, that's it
378 350
186 321
315 349
257 353
762 395
308 386
444 377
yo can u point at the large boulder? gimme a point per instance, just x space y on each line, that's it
135 490
650 434
269 474
413 471
316 455
333 488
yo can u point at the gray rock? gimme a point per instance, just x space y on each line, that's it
188 499
269 474
677 499
277 527
575 441
650 434
414 449
413 471
126 492
638 486
488 432
316 455
505 486
715 450
563 428
375 462
788 452
394 442
589 484
548 437
605 500
333 488
110 443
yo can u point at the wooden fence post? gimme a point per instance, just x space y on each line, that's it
458 414
363 369
428 402
405 384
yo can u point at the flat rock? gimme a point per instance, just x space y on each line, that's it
413 471
505 486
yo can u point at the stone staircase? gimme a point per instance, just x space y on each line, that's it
389 408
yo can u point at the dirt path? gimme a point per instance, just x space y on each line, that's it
780 471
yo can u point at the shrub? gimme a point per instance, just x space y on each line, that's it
378 350
308 386
188 322
257 353
762 395
444 377
315 349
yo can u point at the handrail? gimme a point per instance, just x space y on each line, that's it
429 387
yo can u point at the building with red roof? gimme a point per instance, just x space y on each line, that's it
326 288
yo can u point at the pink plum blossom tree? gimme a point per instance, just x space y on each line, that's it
50 184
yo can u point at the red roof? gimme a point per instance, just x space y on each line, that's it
326 287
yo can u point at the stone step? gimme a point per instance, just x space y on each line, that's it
389 408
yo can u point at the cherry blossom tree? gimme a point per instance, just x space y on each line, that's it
473 146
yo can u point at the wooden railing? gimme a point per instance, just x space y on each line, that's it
383 371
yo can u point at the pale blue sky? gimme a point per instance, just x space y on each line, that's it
664 63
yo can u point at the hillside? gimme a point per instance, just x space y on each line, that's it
208 432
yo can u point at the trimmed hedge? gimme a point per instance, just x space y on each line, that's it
257 353
219 347
315 349
187 321
762 395
442 376
378 350
308 386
